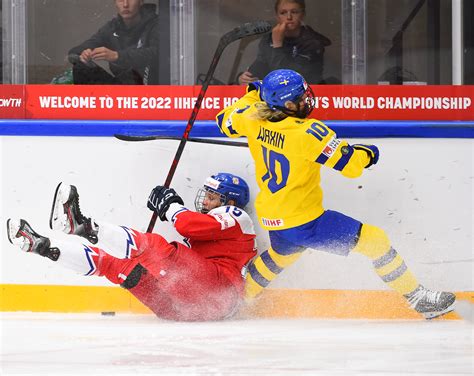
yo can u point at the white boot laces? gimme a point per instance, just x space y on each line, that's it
423 293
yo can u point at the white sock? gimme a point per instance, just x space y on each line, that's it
118 241
75 256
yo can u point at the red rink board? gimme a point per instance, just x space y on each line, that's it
333 102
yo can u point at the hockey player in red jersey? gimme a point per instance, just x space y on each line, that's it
177 282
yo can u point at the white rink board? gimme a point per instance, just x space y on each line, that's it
420 192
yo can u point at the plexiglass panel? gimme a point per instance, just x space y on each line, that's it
351 41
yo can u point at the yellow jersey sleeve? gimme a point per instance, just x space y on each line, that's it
332 152
230 119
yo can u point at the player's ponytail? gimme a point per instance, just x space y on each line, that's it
266 113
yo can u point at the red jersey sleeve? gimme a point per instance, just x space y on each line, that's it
225 222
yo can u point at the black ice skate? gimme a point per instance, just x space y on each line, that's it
429 303
66 215
20 233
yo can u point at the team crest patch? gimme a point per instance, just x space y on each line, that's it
331 146
345 150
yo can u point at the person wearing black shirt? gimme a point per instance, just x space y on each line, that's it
291 45
128 44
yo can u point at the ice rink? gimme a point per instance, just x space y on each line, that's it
94 344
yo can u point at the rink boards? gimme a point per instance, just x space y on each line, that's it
420 193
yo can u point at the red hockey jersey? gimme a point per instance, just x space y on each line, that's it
225 235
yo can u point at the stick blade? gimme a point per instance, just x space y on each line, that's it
126 137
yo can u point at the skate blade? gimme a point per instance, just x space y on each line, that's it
433 315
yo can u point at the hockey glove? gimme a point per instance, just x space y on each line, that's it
371 150
160 200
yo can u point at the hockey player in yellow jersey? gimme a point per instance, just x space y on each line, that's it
289 149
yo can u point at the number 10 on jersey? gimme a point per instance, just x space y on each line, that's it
278 169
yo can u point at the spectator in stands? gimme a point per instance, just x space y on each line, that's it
128 43
291 44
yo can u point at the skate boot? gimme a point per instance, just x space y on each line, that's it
20 233
429 303
66 215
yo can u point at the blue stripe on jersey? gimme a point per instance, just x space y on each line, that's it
270 264
257 277
342 162
322 159
220 119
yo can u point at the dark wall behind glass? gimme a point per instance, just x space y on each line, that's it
55 26
424 48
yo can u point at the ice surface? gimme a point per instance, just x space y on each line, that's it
92 344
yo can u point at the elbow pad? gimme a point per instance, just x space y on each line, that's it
371 150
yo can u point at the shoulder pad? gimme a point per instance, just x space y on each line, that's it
239 216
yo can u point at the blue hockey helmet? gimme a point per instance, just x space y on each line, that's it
283 85
228 187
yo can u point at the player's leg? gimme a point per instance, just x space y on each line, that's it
66 216
338 233
288 245
83 259
197 287
146 288
270 263
87 260
392 269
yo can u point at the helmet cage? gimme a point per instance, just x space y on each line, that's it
227 187
201 195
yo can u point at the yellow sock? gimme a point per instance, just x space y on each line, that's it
388 264
265 269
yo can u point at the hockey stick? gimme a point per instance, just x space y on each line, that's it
125 137
245 30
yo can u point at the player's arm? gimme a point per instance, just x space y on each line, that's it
328 150
220 223
231 118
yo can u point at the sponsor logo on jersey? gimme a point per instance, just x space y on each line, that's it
331 146
273 222
225 219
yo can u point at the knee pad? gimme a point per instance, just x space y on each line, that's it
373 242
134 277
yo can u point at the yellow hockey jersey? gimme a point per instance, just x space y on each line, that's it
288 155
